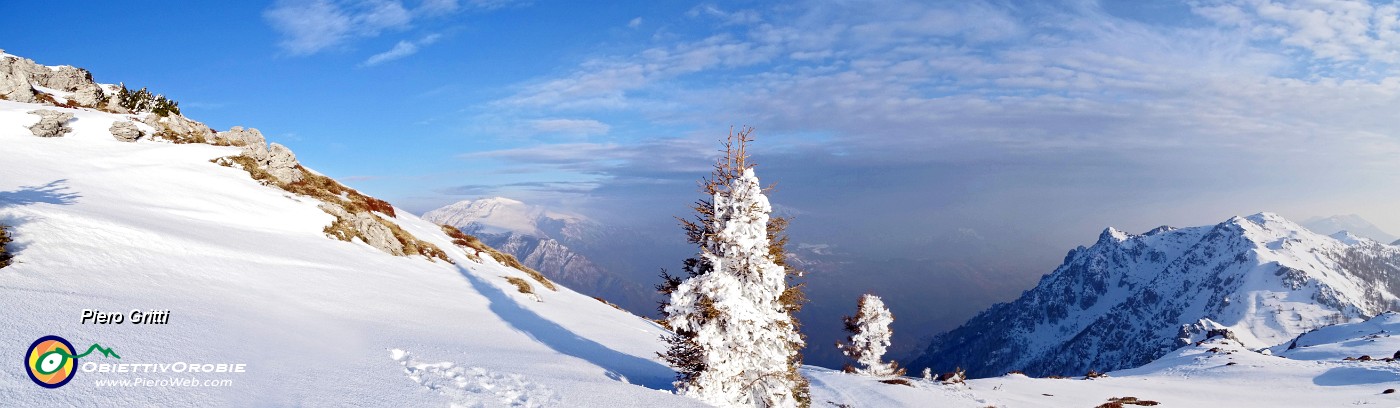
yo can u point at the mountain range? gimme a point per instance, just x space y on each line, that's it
1351 223
550 242
1129 299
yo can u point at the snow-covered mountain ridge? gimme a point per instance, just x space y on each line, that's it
1129 299
551 242
1350 223
500 215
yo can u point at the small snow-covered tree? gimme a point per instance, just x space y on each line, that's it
870 337
735 342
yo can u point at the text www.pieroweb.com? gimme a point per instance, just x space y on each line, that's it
164 382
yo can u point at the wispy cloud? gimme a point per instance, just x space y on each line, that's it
312 26
581 127
555 187
725 16
309 27
402 49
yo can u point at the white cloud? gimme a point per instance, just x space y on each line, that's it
582 127
636 22
726 17
1336 31
311 26
400 50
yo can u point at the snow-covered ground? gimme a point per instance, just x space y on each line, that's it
250 278
1216 373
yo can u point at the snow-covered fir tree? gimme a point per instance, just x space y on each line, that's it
870 337
736 342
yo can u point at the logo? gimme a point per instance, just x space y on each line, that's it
51 363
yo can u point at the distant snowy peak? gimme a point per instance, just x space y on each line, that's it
500 215
1349 238
557 244
1351 223
1130 298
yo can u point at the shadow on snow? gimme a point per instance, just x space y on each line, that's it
620 366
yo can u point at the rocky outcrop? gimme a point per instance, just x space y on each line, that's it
251 140
282 164
125 131
369 228
51 123
64 77
14 81
70 79
276 159
179 129
18 76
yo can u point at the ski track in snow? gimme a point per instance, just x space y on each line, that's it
468 386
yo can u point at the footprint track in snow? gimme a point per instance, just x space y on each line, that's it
474 386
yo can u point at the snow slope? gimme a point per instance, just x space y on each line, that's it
1214 373
1377 338
249 277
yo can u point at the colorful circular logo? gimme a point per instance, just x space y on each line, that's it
50 361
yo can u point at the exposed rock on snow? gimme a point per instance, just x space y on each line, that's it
374 232
180 129
252 141
88 94
64 77
51 123
277 160
282 164
19 75
14 81
125 131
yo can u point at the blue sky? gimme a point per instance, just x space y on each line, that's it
887 124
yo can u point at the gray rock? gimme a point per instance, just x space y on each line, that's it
371 229
14 80
251 140
51 123
88 94
125 131
19 76
282 163
64 78
182 128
